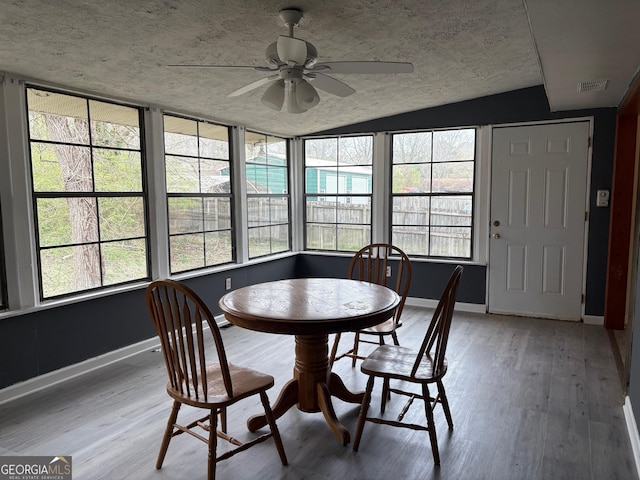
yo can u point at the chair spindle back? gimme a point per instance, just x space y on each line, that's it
438 331
370 264
178 315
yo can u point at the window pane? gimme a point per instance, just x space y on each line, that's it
280 238
352 238
180 136
412 147
63 221
183 174
186 252
277 180
124 261
453 177
411 178
114 125
214 141
322 211
214 176
46 171
121 217
451 210
61 168
279 210
413 210
57 117
185 215
413 240
325 149
217 213
451 145
117 171
258 211
69 269
218 247
321 236
259 241
451 241
356 150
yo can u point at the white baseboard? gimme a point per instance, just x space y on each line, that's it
66 373
632 428
593 320
463 307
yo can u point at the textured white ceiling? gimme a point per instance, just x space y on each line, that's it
461 49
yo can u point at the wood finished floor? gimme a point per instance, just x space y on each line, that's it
530 399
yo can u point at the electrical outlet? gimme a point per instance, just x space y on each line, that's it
388 270
227 284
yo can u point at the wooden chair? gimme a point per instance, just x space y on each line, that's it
178 315
427 365
370 264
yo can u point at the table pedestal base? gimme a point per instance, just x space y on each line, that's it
312 386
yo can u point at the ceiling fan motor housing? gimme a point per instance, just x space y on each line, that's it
271 55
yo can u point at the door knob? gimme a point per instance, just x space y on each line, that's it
495 235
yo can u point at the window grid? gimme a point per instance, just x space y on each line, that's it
90 212
432 184
338 192
268 197
199 193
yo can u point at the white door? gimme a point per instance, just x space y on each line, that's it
538 198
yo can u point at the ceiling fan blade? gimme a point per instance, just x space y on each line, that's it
330 85
254 85
369 67
292 50
201 65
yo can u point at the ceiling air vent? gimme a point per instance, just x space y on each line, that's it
592 86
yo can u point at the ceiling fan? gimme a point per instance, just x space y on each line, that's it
295 73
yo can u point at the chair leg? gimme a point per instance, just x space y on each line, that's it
213 443
445 404
271 420
356 342
364 408
334 350
386 395
173 416
431 426
223 419
394 335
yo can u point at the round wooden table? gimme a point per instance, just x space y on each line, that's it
310 309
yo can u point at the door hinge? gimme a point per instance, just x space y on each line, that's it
589 142
582 298
586 216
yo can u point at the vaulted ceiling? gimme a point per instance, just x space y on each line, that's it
460 49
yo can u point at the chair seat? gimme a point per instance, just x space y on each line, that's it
245 381
396 361
384 328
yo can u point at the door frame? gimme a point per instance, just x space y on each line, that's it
487 219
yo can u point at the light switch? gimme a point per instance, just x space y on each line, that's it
603 198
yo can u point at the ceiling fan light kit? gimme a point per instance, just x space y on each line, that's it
295 74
